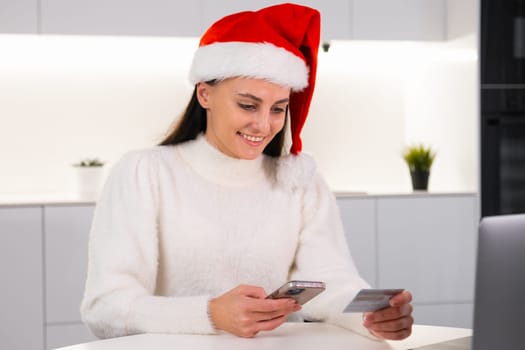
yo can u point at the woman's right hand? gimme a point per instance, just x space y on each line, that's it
244 311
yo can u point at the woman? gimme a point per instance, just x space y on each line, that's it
190 236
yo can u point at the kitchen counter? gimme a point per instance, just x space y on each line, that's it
373 194
28 199
35 199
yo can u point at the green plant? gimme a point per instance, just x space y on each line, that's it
419 157
89 162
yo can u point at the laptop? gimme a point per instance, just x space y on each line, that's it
499 307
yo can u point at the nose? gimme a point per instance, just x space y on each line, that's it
262 122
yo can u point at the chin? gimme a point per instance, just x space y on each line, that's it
250 155
249 152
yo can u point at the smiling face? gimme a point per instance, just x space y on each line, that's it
243 114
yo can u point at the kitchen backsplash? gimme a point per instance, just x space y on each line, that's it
63 98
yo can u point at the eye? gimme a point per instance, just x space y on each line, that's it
278 109
247 107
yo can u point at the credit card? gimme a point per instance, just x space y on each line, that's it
371 300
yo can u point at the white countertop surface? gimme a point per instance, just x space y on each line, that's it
375 194
303 336
36 199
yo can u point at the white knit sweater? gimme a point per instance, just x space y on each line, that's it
177 225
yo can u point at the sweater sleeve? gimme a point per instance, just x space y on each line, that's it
323 254
119 297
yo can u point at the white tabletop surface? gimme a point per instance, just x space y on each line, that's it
304 336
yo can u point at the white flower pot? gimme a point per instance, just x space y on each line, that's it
88 181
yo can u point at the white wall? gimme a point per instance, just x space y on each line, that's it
442 109
65 98
374 98
356 126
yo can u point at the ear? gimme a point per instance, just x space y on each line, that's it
203 94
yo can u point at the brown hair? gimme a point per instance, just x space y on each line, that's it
193 122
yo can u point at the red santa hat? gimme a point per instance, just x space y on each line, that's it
277 43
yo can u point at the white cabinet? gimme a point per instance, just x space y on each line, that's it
335 18
21 316
358 216
18 16
447 315
342 19
428 245
58 336
212 10
43 261
335 15
423 243
121 17
66 241
358 19
399 20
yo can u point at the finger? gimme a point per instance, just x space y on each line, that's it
392 325
271 324
272 305
251 291
389 313
250 329
406 310
404 297
246 332
266 316
255 323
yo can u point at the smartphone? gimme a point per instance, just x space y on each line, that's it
300 291
371 300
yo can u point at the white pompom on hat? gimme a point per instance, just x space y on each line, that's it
277 43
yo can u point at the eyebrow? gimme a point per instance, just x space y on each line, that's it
258 99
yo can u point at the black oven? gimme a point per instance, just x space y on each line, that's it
502 42
502 64
503 157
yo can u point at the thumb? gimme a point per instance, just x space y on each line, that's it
402 298
252 291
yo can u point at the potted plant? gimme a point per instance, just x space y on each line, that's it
89 162
88 177
419 159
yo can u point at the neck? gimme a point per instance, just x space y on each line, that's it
215 166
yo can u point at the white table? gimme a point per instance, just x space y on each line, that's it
304 336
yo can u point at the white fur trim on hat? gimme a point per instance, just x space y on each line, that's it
295 171
246 59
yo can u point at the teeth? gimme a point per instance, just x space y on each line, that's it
252 138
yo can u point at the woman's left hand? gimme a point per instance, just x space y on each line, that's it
394 322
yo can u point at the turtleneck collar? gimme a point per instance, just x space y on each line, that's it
215 166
